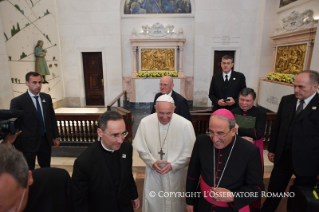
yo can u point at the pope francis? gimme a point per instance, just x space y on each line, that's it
164 141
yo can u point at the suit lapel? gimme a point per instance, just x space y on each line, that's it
292 109
222 82
312 106
174 95
232 79
29 103
44 106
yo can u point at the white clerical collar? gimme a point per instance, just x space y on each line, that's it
306 100
109 150
228 74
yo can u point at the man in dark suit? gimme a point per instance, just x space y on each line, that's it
225 86
102 174
294 141
38 125
46 189
166 87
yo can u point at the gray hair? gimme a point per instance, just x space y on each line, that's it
227 57
108 116
247 91
13 163
313 76
232 123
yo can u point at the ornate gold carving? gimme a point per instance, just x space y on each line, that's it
290 59
158 59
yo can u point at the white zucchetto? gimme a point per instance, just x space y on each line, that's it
165 98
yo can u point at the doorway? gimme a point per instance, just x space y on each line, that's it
93 78
218 59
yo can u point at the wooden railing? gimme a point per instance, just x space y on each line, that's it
200 121
77 129
80 129
128 119
118 100
270 121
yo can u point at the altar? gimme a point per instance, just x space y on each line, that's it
270 93
157 52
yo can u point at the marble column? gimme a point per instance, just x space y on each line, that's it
134 48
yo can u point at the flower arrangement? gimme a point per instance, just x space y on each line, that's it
157 73
287 78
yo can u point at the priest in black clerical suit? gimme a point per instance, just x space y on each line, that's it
102 174
223 162
226 85
255 133
246 107
166 87
294 140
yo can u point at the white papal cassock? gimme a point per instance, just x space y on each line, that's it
177 147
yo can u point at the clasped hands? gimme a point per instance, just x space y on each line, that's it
224 103
157 166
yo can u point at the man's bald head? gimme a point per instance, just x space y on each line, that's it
166 84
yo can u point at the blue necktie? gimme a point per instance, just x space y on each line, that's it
40 114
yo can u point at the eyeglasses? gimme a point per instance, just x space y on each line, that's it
123 135
21 200
219 134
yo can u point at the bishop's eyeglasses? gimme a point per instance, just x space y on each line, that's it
219 134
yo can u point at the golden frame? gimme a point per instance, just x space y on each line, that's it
158 59
290 59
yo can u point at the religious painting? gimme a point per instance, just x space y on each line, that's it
285 2
290 59
157 6
158 59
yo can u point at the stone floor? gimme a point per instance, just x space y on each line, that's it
138 164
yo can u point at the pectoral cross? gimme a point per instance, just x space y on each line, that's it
161 153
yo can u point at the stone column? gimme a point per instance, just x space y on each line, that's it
134 48
180 62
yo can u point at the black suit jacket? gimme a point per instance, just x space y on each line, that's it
93 186
50 191
305 137
30 138
217 90
180 103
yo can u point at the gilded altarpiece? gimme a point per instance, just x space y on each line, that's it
158 59
290 59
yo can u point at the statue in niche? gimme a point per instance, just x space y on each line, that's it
41 66
290 59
